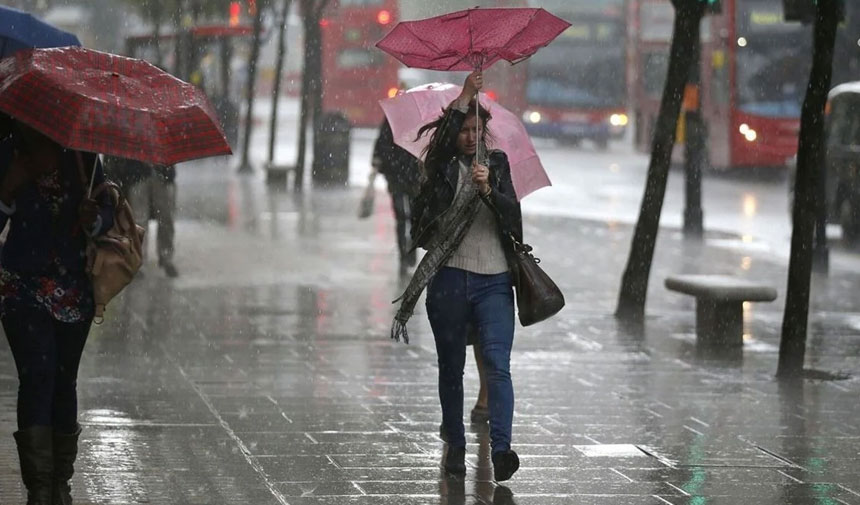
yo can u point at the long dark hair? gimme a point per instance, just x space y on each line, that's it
438 132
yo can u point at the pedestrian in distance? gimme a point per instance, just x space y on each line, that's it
46 297
151 192
402 175
464 216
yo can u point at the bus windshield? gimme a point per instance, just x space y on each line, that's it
773 61
584 68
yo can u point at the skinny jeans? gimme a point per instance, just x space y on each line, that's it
456 300
47 354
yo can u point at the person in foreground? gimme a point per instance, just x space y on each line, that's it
464 216
46 298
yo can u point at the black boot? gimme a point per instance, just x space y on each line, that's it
35 451
65 453
455 460
505 464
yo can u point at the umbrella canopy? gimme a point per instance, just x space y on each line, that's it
473 38
99 102
409 111
21 30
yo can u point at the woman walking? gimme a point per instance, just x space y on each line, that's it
46 298
464 217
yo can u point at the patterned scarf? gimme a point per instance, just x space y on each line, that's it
455 223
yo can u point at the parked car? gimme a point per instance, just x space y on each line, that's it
842 160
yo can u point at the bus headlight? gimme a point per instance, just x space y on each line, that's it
618 120
748 133
532 116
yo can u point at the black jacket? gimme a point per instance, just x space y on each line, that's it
438 190
401 170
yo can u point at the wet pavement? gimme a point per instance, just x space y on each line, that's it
264 374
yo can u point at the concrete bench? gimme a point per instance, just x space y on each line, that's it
719 304
276 174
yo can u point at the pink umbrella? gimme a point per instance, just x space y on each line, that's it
409 111
473 38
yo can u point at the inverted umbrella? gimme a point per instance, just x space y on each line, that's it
409 111
104 103
21 30
472 39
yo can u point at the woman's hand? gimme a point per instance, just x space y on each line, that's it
481 177
473 83
88 212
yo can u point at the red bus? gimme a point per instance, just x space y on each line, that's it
356 75
754 69
575 88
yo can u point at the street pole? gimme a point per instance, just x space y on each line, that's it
694 149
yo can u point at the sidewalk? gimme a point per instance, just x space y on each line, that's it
264 375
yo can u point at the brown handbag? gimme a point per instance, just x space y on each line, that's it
538 297
114 258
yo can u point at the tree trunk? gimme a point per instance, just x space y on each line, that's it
279 65
792 347
245 166
304 111
634 283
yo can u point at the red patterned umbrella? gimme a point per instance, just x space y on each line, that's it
473 38
104 103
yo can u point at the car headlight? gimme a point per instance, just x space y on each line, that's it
618 120
532 116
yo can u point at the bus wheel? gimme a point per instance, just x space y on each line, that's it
849 221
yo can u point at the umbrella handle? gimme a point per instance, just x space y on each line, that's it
93 176
478 155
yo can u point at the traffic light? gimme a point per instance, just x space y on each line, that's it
235 10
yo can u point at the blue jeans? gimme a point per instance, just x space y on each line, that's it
47 354
456 300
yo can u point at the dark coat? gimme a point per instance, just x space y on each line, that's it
438 190
35 235
401 170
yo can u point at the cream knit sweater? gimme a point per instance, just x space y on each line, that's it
481 250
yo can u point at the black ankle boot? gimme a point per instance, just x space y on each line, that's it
35 452
505 464
455 460
65 454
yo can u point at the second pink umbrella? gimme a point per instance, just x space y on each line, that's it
409 111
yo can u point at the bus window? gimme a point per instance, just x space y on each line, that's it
358 58
840 123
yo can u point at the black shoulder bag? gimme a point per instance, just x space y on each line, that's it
538 297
